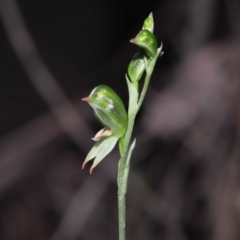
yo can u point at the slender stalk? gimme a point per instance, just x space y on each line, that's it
150 64
110 111
123 167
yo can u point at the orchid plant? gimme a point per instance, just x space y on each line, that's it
117 122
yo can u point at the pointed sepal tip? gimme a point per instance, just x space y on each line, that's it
84 164
86 99
133 40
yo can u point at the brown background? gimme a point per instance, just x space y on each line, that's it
184 178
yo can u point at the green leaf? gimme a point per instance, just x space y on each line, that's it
120 145
100 150
133 93
127 166
131 150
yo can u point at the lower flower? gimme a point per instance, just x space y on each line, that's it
100 150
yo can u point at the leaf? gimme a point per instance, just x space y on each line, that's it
133 94
131 150
126 169
120 145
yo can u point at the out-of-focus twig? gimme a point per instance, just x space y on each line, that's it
64 111
18 149
80 208
200 23
40 76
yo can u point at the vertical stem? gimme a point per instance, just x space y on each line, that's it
123 167
150 64
123 170
122 194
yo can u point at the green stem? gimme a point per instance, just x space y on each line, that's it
150 64
124 163
123 177
123 167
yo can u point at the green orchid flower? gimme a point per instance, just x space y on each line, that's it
110 111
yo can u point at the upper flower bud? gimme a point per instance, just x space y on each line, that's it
146 40
148 23
136 67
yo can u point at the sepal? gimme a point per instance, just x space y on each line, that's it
100 150
108 108
148 23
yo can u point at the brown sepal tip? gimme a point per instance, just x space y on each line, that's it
91 169
161 53
84 164
86 99
133 40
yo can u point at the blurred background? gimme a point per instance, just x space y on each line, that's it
184 180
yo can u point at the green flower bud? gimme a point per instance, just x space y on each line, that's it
136 67
109 109
149 23
146 40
